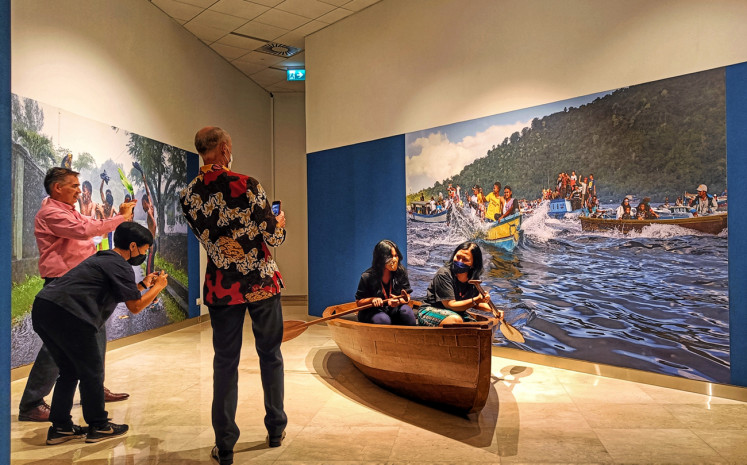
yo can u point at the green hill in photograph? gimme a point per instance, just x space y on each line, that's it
651 140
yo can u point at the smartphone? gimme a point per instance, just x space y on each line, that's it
276 207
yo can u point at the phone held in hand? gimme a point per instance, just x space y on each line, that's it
276 207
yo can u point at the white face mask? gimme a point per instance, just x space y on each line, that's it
229 163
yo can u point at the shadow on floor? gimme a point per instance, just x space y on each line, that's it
495 429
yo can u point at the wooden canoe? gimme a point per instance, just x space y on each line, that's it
711 224
447 367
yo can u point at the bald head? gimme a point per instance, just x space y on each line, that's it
213 144
207 139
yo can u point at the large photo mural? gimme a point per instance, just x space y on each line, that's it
602 219
115 165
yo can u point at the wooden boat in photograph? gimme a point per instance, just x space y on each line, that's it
505 234
710 224
419 211
435 218
448 367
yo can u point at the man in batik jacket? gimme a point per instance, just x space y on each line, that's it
232 218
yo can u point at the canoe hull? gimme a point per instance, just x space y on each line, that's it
712 224
446 367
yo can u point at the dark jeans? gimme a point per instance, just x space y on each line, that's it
401 315
228 323
74 347
44 373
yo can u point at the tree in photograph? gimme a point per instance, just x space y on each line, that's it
165 170
39 146
84 161
28 121
26 114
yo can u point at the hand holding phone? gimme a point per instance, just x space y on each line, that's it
276 207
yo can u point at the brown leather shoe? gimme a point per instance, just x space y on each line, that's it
38 413
110 396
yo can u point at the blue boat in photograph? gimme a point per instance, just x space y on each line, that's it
559 207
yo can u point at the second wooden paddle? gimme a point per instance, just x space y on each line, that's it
511 333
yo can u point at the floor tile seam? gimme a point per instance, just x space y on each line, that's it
671 408
709 445
601 443
585 413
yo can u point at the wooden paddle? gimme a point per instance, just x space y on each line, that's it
294 328
511 333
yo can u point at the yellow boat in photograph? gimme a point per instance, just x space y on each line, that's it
506 233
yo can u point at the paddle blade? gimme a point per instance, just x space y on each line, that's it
126 183
511 333
293 328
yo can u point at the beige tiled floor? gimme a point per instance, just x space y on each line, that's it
535 414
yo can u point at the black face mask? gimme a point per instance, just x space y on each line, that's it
137 259
458 267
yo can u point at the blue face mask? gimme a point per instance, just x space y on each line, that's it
459 267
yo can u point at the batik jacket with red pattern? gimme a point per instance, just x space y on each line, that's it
230 215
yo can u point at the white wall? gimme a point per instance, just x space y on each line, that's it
126 63
290 188
400 66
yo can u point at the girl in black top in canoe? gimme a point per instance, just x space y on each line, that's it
450 294
381 284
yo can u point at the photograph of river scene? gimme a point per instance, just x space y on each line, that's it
654 299
113 164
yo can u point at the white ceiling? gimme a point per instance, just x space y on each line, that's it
235 29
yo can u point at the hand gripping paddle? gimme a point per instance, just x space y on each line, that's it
511 333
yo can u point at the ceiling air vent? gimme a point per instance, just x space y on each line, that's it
279 50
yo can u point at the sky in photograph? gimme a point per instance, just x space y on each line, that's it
79 134
439 153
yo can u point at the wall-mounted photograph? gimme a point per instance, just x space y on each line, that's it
114 165
602 220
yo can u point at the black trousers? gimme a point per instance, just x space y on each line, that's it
74 347
267 325
44 373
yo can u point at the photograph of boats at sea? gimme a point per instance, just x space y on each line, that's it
653 298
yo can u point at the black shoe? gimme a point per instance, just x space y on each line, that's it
60 435
223 457
276 441
96 434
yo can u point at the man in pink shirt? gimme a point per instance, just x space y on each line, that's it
64 238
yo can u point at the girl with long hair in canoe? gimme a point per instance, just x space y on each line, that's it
381 284
450 294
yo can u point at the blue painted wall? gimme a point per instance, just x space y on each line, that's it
355 199
736 173
193 248
5 227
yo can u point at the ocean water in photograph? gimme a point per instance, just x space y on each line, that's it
657 300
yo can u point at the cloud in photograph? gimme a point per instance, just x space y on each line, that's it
434 157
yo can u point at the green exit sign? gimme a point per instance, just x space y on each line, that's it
296 74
